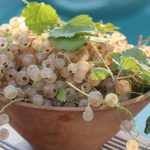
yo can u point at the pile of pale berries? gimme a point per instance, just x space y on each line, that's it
32 68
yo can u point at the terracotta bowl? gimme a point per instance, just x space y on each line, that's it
62 128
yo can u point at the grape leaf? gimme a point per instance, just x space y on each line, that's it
147 127
61 96
105 27
79 24
39 17
69 44
136 53
99 73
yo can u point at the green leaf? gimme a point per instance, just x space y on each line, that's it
106 27
39 17
79 24
136 53
115 57
99 73
61 96
130 64
147 127
69 44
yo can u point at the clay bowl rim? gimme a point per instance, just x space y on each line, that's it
73 109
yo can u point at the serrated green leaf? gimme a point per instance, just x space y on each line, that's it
99 73
79 24
136 53
130 64
61 96
69 44
147 127
39 17
105 27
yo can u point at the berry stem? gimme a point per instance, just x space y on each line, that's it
127 77
69 60
101 57
11 102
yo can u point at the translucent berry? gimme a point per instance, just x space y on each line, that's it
60 84
48 64
111 98
37 44
126 126
4 119
70 92
123 86
86 87
30 93
83 103
47 46
11 74
50 90
28 60
52 79
35 75
88 114
10 92
10 56
132 145
64 72
30 68
15 21
59 63
22 78
79 77
5 29
46 73
72 68
95 98
40 57
24 41
3 61
3 43
83 66
37 99
1 73
4 134
15 48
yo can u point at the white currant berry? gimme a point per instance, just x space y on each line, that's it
72 68
132 145
46 73
88 114
123 87
4 134
4 119
95 98
59 63
37 99
47 102
83 103
35 75
86 87
10 92
3 43
83 66
111 99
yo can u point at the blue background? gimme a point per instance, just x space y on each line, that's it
133 16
